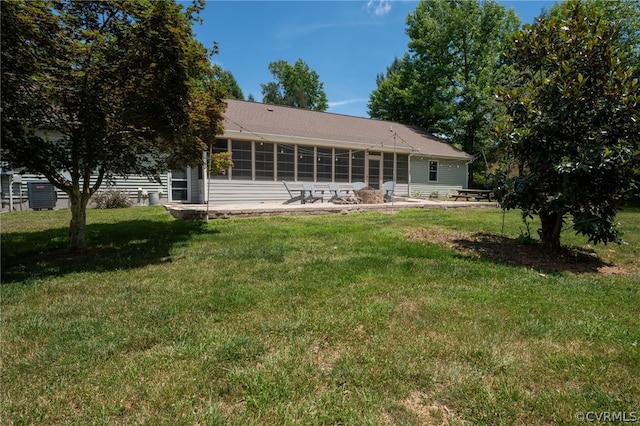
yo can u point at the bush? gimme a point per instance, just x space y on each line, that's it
112 199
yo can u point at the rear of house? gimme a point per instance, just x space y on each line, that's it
271 144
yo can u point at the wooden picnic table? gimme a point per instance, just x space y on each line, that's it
478 194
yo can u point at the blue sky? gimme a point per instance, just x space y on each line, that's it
347 43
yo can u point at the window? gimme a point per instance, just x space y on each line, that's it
305 163
264 161
286 162
387 167
402 168
341 160
324 169
433 171
241 152
357 166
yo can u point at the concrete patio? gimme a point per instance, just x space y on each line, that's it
226 211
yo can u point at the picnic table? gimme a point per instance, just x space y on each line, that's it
478 194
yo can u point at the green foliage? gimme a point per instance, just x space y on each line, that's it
112 199
220 162
625 15
102 88
573 131
447 85
228 82
295 85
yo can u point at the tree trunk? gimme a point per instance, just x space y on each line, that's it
551 228
78 221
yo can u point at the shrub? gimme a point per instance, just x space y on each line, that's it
112 199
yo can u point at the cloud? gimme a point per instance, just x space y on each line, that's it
379 7
338 104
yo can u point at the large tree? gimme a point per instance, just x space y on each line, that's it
625 14
228 82
448 83
574 124
296 86
96 89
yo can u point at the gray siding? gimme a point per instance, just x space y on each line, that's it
129 184
452 175
247 191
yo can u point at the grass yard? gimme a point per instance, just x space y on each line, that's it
418 318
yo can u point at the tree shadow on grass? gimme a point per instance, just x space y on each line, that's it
123 245
511 251
533 255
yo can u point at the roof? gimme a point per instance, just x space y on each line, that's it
258 121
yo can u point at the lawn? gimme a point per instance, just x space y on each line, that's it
419 317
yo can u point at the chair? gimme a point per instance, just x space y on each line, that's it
310 193
387 190
337 193
293 198
357 186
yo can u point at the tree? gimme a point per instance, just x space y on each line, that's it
228 82
296 86
403 95
96 89
573 128
447 85
626 15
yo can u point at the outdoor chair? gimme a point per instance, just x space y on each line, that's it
336 192
293 198
340 196
387 190
357 186
310 193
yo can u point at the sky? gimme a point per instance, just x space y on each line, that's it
348 43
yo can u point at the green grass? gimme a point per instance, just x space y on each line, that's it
308 320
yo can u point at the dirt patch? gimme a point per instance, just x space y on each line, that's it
426 411
512 252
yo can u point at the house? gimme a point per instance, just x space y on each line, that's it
271 144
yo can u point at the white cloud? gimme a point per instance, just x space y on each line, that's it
347 102
379 7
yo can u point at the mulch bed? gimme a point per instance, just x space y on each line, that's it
512 252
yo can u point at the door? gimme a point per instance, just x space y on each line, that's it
180 185
373 171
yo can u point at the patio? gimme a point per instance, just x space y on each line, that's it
226 211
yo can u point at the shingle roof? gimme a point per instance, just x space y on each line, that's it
272 122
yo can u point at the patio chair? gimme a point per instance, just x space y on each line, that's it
335 191
310 193
357 186
294 198
387 190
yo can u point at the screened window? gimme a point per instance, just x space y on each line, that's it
241 154
433 171
286 162
341 160
264 161
305 163
387 166
324 169
357 166
402 168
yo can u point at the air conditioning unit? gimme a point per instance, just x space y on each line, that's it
42 195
